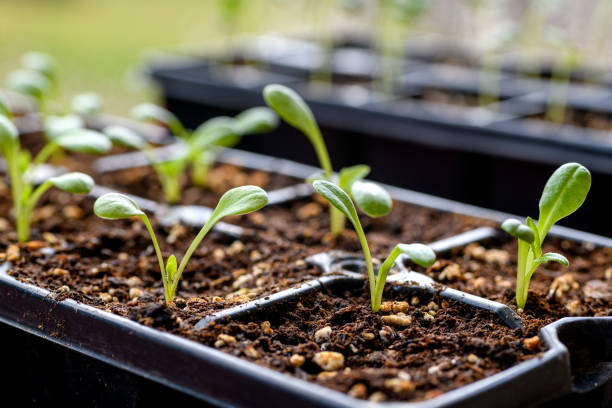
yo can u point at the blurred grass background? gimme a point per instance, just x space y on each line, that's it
99 44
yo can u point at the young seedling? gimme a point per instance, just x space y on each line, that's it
563 194
397 18
86 104
203 145
293 109
25 194
237 201
418 253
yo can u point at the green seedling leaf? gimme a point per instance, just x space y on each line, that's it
86 104
563 194
255 120
291 107
124 137
240 200
217 131
349 175
536 246
552 257
337 197
43 63
371 198
420 254
28 82
84 141
8 133
76 183
171 268
518 230
115 206
4 110
58 125
149 112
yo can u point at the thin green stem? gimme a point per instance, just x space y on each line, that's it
45 153
368 257
489 80
383 271
521 273
160 258
337 221
194 244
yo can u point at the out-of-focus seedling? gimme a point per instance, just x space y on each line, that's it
19 169
237 201
202 145
418 253
292 108
563 194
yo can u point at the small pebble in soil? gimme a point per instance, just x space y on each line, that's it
574 307
218 254
368 335
135 293
433 370
133 281
414 301
64 289
329 360
265 328
49 237
4 225
608 273
378 396
60 272
250 351
399 386
473 359
451 273
597 289
105 297
386 334
358 390
401 320
12 253
562 285
255 255
326 375
395 307
72 211
323 334
297 360
532 344
428 316
225 339
35 245
235 248
433 306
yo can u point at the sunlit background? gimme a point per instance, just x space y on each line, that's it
102 45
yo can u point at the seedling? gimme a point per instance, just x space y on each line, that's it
563 194
397 18
418 253
203 145
36 79
86 104
237 201
19 168
293 109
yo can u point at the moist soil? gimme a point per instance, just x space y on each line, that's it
444 345
585 119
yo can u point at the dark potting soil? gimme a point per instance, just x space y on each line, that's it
580 118
143 182
413 350
489 270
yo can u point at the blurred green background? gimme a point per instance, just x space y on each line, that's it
99 44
